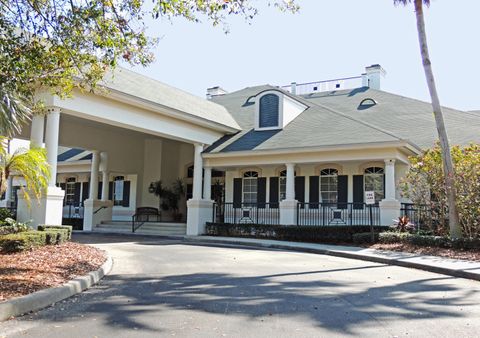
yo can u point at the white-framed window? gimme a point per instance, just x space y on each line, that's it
269 111
118 185
329 185
374 181
282 185
70 191
250 187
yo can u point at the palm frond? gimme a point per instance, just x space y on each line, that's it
31 165
14 112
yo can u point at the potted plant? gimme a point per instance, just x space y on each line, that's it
169 197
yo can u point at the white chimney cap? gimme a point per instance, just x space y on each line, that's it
215 91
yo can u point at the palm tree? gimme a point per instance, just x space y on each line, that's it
30 164
13 112
455 230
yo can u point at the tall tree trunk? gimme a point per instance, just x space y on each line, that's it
455 230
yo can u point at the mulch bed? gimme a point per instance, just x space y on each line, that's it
472 255
52 265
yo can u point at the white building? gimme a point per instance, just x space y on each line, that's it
300 154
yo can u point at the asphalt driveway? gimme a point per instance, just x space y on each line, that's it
170 288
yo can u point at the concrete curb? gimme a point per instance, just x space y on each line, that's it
43 298
445 266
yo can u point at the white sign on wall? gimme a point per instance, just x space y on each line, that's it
369 197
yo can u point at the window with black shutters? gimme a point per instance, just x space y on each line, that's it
269 111
329 185
375 181
70 191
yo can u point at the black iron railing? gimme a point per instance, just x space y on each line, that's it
246 213
337 214
424 216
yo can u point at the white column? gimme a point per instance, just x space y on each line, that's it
51 142
48 210
94 175
36 131
197 172
390 179
207 184
389 207
105 181
8 192
290 188
288 207
199 211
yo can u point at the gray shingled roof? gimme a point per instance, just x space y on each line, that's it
335 118
407 118
315 127
145 88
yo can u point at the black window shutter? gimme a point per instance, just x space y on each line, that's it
126 194
85 190
300 188
99 193
76 197
314 192
358 191
237 192
261 191
274 192
63 186
342 190
110 191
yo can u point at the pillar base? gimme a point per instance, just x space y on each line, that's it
47 210
199 212
389 211
288 212
96 211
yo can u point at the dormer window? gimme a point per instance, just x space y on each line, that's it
275 110
269 111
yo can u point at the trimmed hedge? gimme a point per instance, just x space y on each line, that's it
46 235
23 241
44 227
364 237
314 234
428 240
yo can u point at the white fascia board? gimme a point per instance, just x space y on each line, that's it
103 110
161 109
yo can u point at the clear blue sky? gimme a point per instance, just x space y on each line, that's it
326 39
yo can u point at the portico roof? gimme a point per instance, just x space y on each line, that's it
133 84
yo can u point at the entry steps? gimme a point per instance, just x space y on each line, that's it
148 228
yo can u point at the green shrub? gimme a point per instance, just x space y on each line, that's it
44 227
11 226
364 237
4 214
313 234
22 241
391 237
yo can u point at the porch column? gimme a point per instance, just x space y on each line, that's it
51 143
207 184
94 175
390 179
105 181
288 207
96 211
199 211
36 131
49 209
290 188
197 172
389 207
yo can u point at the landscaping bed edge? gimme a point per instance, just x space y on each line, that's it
46 297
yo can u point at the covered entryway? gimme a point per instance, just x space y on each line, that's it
133 135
